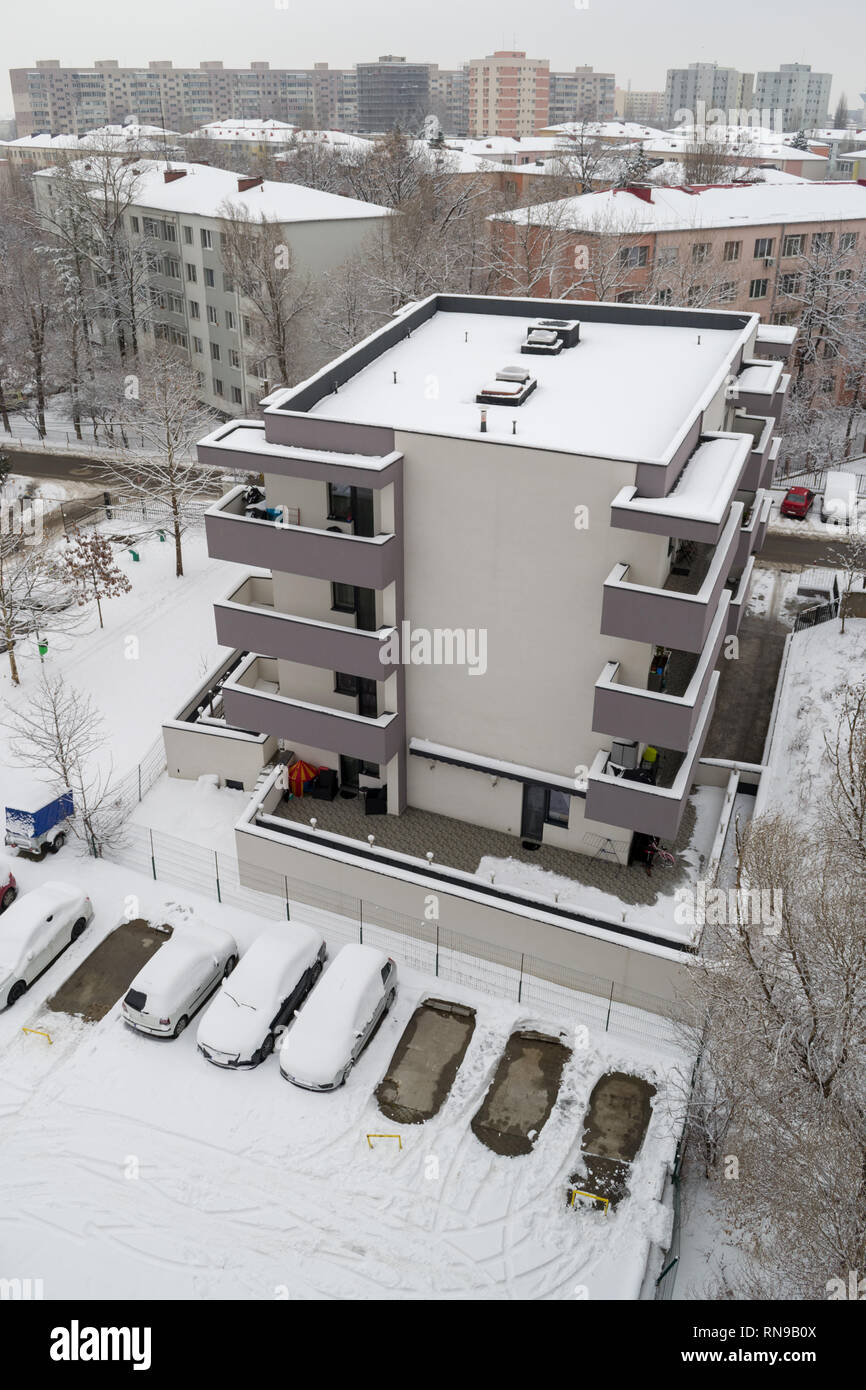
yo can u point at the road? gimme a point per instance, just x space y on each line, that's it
782 549
37 463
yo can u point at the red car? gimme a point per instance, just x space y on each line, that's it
8 886
797 503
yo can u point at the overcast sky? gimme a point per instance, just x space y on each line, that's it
635 41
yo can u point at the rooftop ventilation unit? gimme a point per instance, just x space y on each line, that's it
541 342
511 387
568 330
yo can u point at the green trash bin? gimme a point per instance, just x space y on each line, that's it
161 535
43 648
134 554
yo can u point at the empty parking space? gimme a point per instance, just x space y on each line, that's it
108 971
522 1093
619 1114
426 1061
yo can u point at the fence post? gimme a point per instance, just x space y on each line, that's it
520 980
361 921
139 781
288 913
216 862
609 1003
152 855
437 948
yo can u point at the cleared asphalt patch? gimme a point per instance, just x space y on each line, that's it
425 1061
521 1094
106 974
620 1108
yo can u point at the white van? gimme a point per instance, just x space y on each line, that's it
839 502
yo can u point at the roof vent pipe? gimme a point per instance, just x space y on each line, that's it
484 421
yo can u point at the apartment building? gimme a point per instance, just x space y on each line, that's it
42 151
59 100
393 92
714 87
644 106
509 94
481 591
581 95
803 96
175 216
741 246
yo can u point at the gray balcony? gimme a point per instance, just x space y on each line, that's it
252 700
740 589
246 618
761 388
758 468
756 519
370 562
681 614
696 508
651 809
775 341
666 718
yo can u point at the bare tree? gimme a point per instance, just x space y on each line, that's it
87 563
168 415
60 731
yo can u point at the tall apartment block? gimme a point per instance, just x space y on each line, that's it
581 95
494 561
509 94
803 96
645 107
719 89
49 97
392 92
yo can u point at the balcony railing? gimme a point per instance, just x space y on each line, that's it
252 700
653 810
246 618
649 716
679 620
739 597
369 562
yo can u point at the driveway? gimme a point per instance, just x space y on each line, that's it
106 974
426 1061
522 1093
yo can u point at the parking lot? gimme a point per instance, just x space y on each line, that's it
130 1156
103 978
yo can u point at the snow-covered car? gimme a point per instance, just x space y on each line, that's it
35 930
178 978
8 884
272 980
339 1019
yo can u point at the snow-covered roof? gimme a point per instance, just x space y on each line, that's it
203 190
673 172
243 129
685 209
850 154
108 137
666 373
734 140
606 130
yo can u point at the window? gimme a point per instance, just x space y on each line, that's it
230 319
217 386
665 297
228 284
134 223
339 502
187 236
206 239
344 684
197 345
844 275
247 327
151 226
558 808
758 289
191 273
235 359
696 294
626 297
822 241
847 241
209 278
212 316
790 284
169 231
194 311
175 303
782 317
763 247
700 252
793 246
666 256
727 292
237 398
172 268
827 384
732 250
343 598
215 351
630 257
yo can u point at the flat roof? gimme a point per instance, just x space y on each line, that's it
628 389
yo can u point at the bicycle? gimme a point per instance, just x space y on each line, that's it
664 856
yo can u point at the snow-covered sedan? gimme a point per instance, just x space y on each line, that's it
339 1019
178 978
273 979
33 932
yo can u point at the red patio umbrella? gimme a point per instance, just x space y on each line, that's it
299 773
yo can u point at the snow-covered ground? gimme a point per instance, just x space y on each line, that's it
133 1169
821 662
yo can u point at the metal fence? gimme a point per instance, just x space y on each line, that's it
821 613
815 479
664 1286
546 987
131 511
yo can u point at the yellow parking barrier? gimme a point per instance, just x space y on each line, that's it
371 1137
40 1031
593 1197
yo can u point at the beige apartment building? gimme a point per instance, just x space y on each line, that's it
743 247
509 94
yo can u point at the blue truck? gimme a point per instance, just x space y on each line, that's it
39 822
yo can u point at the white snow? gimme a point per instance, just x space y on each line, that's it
704 489
242 1012
578 404
319 1044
